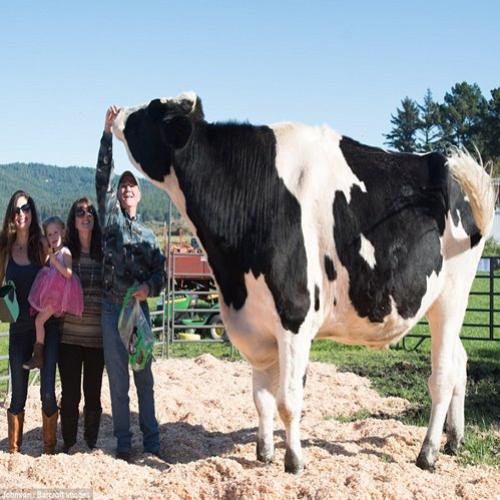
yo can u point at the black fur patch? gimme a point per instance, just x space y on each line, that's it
316 298
331 273
246 218
402 213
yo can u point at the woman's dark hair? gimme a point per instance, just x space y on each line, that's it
9 232
72 239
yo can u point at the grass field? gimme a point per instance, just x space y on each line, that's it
403 373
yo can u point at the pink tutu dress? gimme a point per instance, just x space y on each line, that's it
50 287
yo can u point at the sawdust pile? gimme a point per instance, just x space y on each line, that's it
208 426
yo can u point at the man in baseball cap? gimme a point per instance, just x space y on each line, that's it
129 193
131 258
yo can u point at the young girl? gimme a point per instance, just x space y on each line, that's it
56 290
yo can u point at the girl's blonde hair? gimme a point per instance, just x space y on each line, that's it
53 220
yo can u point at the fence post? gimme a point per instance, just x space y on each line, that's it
492 299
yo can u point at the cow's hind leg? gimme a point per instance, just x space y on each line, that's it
294 356
447 380
265 386
455 415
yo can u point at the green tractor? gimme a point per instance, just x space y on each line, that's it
192 309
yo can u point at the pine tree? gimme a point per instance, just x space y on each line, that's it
403 136
429 130
462 113
491 128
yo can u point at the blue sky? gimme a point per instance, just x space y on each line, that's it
344 63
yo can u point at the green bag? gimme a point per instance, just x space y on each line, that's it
9 308
135 331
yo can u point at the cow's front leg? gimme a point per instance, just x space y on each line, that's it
265 386
294 356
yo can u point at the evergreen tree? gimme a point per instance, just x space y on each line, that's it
491 127
403 136
430 118
463 113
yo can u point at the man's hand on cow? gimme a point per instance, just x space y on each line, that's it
142 292
111 113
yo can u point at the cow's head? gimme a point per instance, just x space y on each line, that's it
152 132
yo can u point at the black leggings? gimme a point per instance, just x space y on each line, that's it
71 359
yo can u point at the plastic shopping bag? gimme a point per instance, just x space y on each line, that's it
135 331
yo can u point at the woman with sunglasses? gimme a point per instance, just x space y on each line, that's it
81 341
22 254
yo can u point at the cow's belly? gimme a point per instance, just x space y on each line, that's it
351 329
343 323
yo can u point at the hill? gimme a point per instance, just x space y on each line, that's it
54 189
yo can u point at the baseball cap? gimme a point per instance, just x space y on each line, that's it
129 174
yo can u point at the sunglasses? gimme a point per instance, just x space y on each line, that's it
81 212
24 208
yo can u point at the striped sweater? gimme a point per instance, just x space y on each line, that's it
86 331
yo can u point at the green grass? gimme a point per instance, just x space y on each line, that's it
359 415
4 349
403 373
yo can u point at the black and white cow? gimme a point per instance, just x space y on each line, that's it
311 234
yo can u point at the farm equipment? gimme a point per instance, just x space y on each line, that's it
190 304
193 311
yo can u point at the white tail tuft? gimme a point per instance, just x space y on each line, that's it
477 186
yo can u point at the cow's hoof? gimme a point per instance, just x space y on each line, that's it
453 446
293 464
426 459
265 454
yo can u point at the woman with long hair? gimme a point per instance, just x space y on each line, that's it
22 254
81 340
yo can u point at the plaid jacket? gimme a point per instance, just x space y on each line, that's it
131 255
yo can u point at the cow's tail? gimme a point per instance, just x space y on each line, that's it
477 186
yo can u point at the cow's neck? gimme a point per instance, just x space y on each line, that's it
229 181
244 216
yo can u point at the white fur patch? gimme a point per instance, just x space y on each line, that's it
367 251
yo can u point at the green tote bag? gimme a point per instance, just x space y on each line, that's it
9 308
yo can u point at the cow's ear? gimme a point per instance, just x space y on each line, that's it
176 131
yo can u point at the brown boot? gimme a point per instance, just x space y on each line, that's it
49 432
36 360
15 424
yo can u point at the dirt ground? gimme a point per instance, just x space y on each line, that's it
208 426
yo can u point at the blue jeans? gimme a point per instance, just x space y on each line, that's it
117 367
21 343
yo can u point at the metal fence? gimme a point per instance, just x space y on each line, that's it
482 318
190 280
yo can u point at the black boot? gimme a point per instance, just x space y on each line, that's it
92 421
69 428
